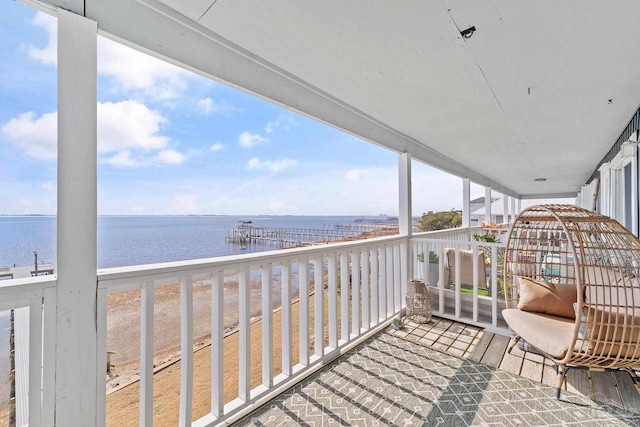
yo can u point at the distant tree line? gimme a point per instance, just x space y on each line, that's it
431 221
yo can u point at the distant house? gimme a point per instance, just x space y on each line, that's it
477 210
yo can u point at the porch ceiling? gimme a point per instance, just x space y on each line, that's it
541 89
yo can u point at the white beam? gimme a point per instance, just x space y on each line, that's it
513 209
167 32
487 205
76 332
505 207
404 203
466 205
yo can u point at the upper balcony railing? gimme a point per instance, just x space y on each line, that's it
346 292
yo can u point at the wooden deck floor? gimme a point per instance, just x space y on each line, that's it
474 343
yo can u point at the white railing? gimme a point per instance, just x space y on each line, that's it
35 298
454 270
374 270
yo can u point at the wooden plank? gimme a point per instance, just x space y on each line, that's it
532 370
578 382
604 388
512 362
532 366
549 373
628 392
479 347
495 351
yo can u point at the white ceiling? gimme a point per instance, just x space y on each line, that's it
527 96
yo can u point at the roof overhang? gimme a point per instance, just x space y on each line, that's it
541 89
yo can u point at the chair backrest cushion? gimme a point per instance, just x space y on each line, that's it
538 296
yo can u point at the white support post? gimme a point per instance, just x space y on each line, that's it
318 289
186 351
366 298
519 207
267 325
355 293
332 291
487 205
505 209
513 209
217 343
382 287
466 205
303 271
244 336
76 331
345 288
375 308
404 202
404 263
286 320
147 298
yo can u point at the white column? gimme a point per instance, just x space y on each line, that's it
487 205
404 180
405 224
466 199
76 331
505 208
513 209
519 206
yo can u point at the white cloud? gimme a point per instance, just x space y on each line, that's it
123 160
129 124
209 106
137 72
169 157
248 139
206 105
134 72
49 53
273 166
127 128
284 121
37 136
356 174
217 147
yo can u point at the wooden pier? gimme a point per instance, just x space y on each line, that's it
246 232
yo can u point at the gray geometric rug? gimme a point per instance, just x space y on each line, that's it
391 381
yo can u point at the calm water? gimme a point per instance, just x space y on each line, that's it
134 240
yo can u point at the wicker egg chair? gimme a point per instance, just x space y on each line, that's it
572 289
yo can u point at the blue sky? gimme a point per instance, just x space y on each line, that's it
172 142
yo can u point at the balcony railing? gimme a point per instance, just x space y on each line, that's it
365 285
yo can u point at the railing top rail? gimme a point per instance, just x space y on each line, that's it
434 233
458 242
130 274
10 286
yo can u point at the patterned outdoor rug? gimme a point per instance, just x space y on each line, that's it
390 381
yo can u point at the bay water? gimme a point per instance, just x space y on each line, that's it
135 240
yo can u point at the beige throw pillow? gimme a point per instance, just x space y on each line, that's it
556 299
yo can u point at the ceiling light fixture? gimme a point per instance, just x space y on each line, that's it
540 179
468 32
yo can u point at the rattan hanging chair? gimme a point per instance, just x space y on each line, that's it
572 289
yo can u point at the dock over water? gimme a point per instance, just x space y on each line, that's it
246 233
